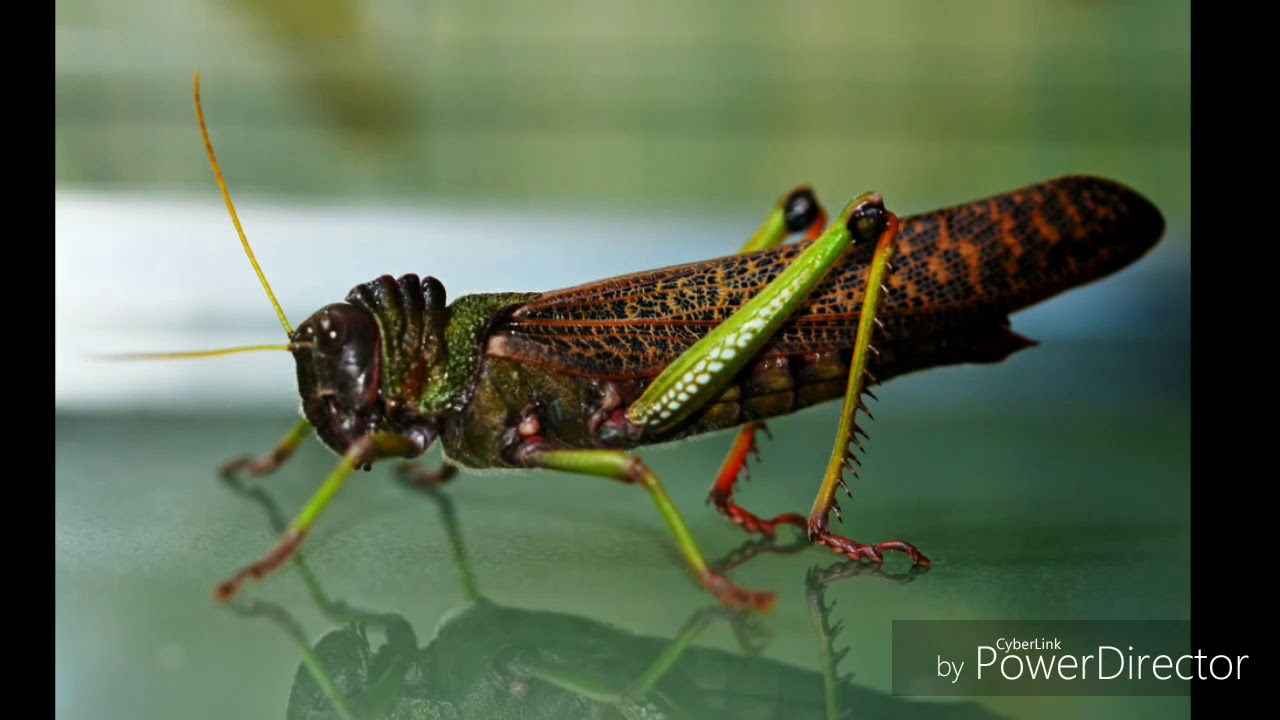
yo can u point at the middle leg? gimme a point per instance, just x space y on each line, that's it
618 465
268 463
735 465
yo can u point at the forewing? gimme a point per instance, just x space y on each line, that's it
635 325
956 270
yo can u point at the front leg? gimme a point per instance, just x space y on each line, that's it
268 463
361 453
618 465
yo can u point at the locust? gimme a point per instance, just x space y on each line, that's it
577 379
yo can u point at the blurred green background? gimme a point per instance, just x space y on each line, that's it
522 145
652 105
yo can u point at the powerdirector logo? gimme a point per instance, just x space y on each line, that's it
1058 657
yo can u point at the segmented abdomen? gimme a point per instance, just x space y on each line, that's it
1016 249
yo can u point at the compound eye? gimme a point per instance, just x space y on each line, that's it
331 329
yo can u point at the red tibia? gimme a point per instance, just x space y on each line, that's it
281 554
722 492
743 445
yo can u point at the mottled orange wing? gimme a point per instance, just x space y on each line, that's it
973 263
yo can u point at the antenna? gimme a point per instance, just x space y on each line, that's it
222 184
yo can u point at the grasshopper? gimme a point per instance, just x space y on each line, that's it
574 380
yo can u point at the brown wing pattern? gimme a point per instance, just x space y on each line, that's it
954 267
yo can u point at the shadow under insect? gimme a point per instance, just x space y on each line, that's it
489 660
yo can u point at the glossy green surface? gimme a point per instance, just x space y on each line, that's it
1046 501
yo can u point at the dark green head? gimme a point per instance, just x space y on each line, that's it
362 363
338 352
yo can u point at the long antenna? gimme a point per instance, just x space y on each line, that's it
213 159
188 355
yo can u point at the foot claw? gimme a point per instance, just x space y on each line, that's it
226 590
748 521
260 569
855 550
253 466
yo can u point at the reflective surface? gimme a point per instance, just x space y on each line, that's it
521 146
1046 501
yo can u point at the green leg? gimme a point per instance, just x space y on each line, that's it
338 612
618 465
671 654
798 210
842 455
633 700
702 371
401 640
277 457
362 452
829 659
816 582
430 481
328 685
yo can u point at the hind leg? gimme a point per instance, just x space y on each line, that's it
842 456
798 211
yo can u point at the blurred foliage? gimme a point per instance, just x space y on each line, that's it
653 106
